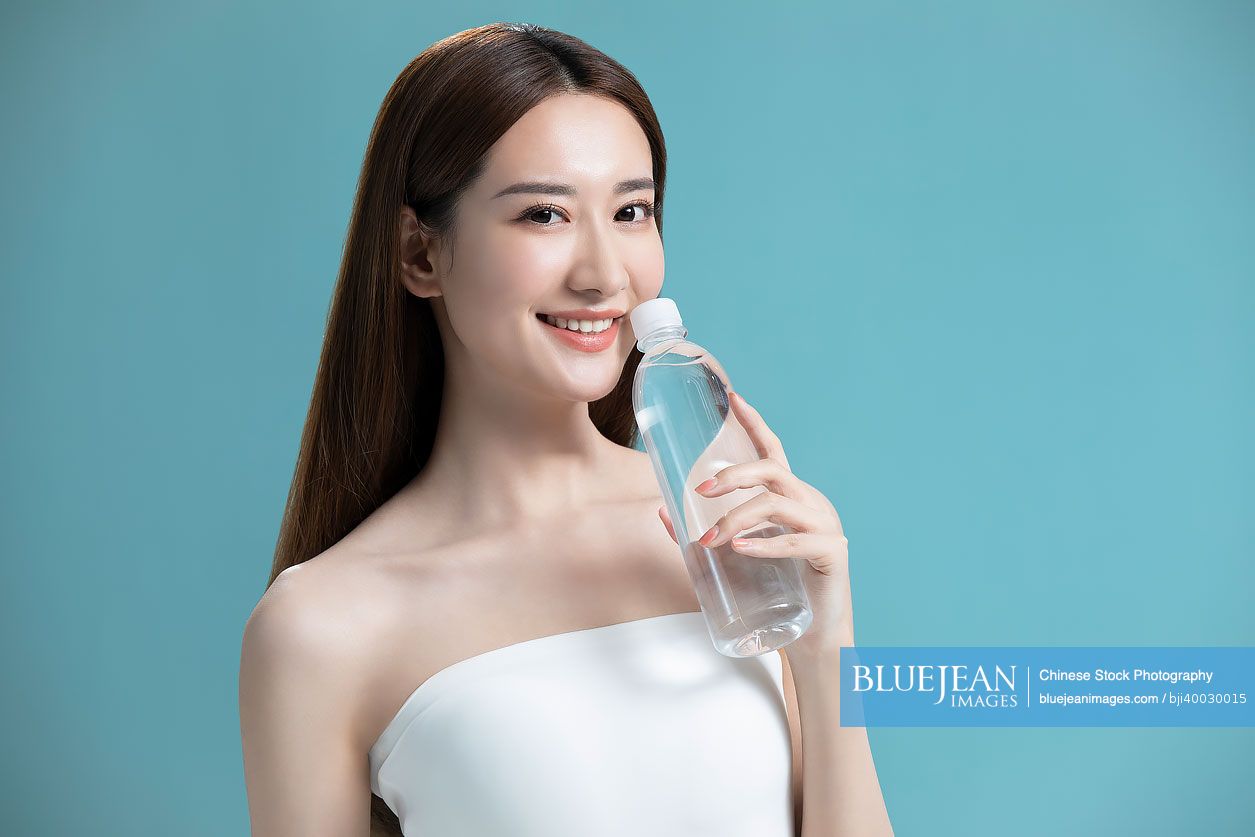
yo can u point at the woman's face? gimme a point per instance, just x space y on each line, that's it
588 240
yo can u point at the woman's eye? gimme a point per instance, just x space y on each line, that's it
644 211
547 212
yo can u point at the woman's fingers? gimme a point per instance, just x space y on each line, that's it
666 521
759 509
772 474
765 441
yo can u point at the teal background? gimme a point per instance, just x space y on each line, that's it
986 268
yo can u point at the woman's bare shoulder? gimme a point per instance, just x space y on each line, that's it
329 624
347 598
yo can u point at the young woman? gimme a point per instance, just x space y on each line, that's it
474 612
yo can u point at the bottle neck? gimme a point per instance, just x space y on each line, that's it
661 335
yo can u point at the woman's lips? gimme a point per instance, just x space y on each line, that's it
584 342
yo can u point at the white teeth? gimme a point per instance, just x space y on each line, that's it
585 326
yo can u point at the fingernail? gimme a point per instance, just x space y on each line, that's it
709 536
707 485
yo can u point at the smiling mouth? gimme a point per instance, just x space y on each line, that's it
544 319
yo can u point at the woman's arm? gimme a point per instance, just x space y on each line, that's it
304 769
841 794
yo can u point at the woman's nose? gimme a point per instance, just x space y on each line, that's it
601 266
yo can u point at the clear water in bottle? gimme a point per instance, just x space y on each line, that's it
752 604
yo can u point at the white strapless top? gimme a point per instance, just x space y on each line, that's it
636 729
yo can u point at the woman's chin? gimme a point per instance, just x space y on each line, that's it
582 375
589 383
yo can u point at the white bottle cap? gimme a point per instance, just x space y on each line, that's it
653 314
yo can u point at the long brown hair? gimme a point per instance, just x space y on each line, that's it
376 396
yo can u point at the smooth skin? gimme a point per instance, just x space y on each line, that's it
525 519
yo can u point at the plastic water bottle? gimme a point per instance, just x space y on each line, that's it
752 604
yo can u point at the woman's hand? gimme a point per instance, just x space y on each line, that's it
817 535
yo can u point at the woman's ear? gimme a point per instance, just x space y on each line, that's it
419 256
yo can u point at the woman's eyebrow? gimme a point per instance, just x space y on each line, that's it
538 187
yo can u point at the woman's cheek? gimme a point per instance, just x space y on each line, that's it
648 271
530 266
